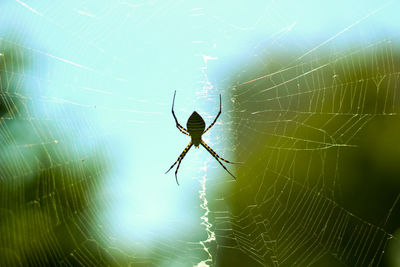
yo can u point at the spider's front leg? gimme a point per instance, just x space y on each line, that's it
216 118
180 127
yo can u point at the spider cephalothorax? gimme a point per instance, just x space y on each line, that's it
195 129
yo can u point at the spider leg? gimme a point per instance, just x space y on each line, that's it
209 149
182 131
216 157
180 158
176 171
216 118
180 127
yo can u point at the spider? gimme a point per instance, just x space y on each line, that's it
195 129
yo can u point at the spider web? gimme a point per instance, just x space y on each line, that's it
315 122
297 127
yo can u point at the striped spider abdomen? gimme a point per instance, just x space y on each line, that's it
196 126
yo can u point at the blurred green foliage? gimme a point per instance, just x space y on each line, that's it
47 195
320 140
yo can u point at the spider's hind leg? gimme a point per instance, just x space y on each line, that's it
217 157
212 152
180 158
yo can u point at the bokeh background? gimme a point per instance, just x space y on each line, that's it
310 105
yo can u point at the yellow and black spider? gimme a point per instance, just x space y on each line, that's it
195 129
